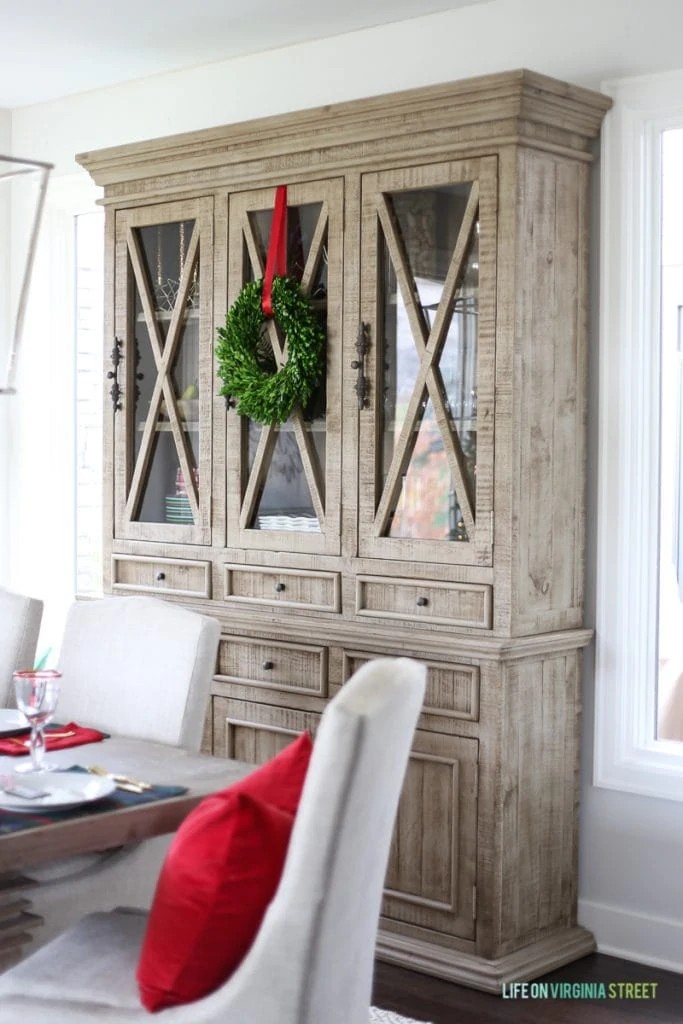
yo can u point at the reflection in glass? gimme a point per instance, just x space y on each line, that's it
427 505
427 224
163 250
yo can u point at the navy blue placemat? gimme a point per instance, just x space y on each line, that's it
17 821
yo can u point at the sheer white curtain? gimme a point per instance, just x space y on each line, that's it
41 459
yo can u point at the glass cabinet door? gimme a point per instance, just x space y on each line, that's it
427 309
162 360
283 486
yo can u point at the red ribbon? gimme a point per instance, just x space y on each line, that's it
276 261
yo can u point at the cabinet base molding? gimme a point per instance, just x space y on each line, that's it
524 964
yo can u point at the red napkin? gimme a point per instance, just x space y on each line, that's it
55 739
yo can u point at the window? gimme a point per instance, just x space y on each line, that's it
89 305
638 403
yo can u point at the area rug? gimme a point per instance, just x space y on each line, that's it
387 1017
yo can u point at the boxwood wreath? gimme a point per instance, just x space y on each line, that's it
245 361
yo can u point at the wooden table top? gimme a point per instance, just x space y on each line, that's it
141 759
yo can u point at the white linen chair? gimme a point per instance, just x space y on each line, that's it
133 666
19 628
312 960
138 666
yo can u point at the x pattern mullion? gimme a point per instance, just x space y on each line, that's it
408 436
163 360
148 434
315 252
429 346
269 431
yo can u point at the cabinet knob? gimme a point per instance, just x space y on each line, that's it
161 575
279 587
267 665
422 602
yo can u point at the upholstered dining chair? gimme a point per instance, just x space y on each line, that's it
132 666
312 959
19 627
138 666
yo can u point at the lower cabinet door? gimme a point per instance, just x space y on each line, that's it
432 865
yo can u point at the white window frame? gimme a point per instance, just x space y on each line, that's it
626 754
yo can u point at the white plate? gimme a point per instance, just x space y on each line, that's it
11 721
62 789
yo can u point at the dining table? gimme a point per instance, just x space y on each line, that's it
94 828
35 837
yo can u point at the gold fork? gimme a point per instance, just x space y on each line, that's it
122 781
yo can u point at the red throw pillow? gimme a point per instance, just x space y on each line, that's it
221 872
280 781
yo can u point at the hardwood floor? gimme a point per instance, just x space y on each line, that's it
440 1002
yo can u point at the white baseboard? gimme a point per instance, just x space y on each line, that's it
656 941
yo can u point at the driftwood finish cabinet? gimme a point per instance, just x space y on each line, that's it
428 502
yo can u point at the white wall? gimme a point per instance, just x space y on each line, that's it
631 847
584 41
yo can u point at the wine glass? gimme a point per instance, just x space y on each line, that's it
37 693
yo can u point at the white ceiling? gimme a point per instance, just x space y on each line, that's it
53 48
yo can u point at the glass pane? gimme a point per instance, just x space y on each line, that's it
163 250
301 224
285 501
427 225
427 506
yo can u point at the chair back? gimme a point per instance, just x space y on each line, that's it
19 628
138 666
312 961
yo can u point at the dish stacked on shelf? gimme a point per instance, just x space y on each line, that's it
294 519
178 509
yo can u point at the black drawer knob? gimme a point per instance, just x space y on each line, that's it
279 587
267 665
161 575
422 602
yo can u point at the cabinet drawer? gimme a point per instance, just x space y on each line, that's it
161 575
453 604
452 691
319 591
295 668
254 733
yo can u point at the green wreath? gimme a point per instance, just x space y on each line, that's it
245 360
